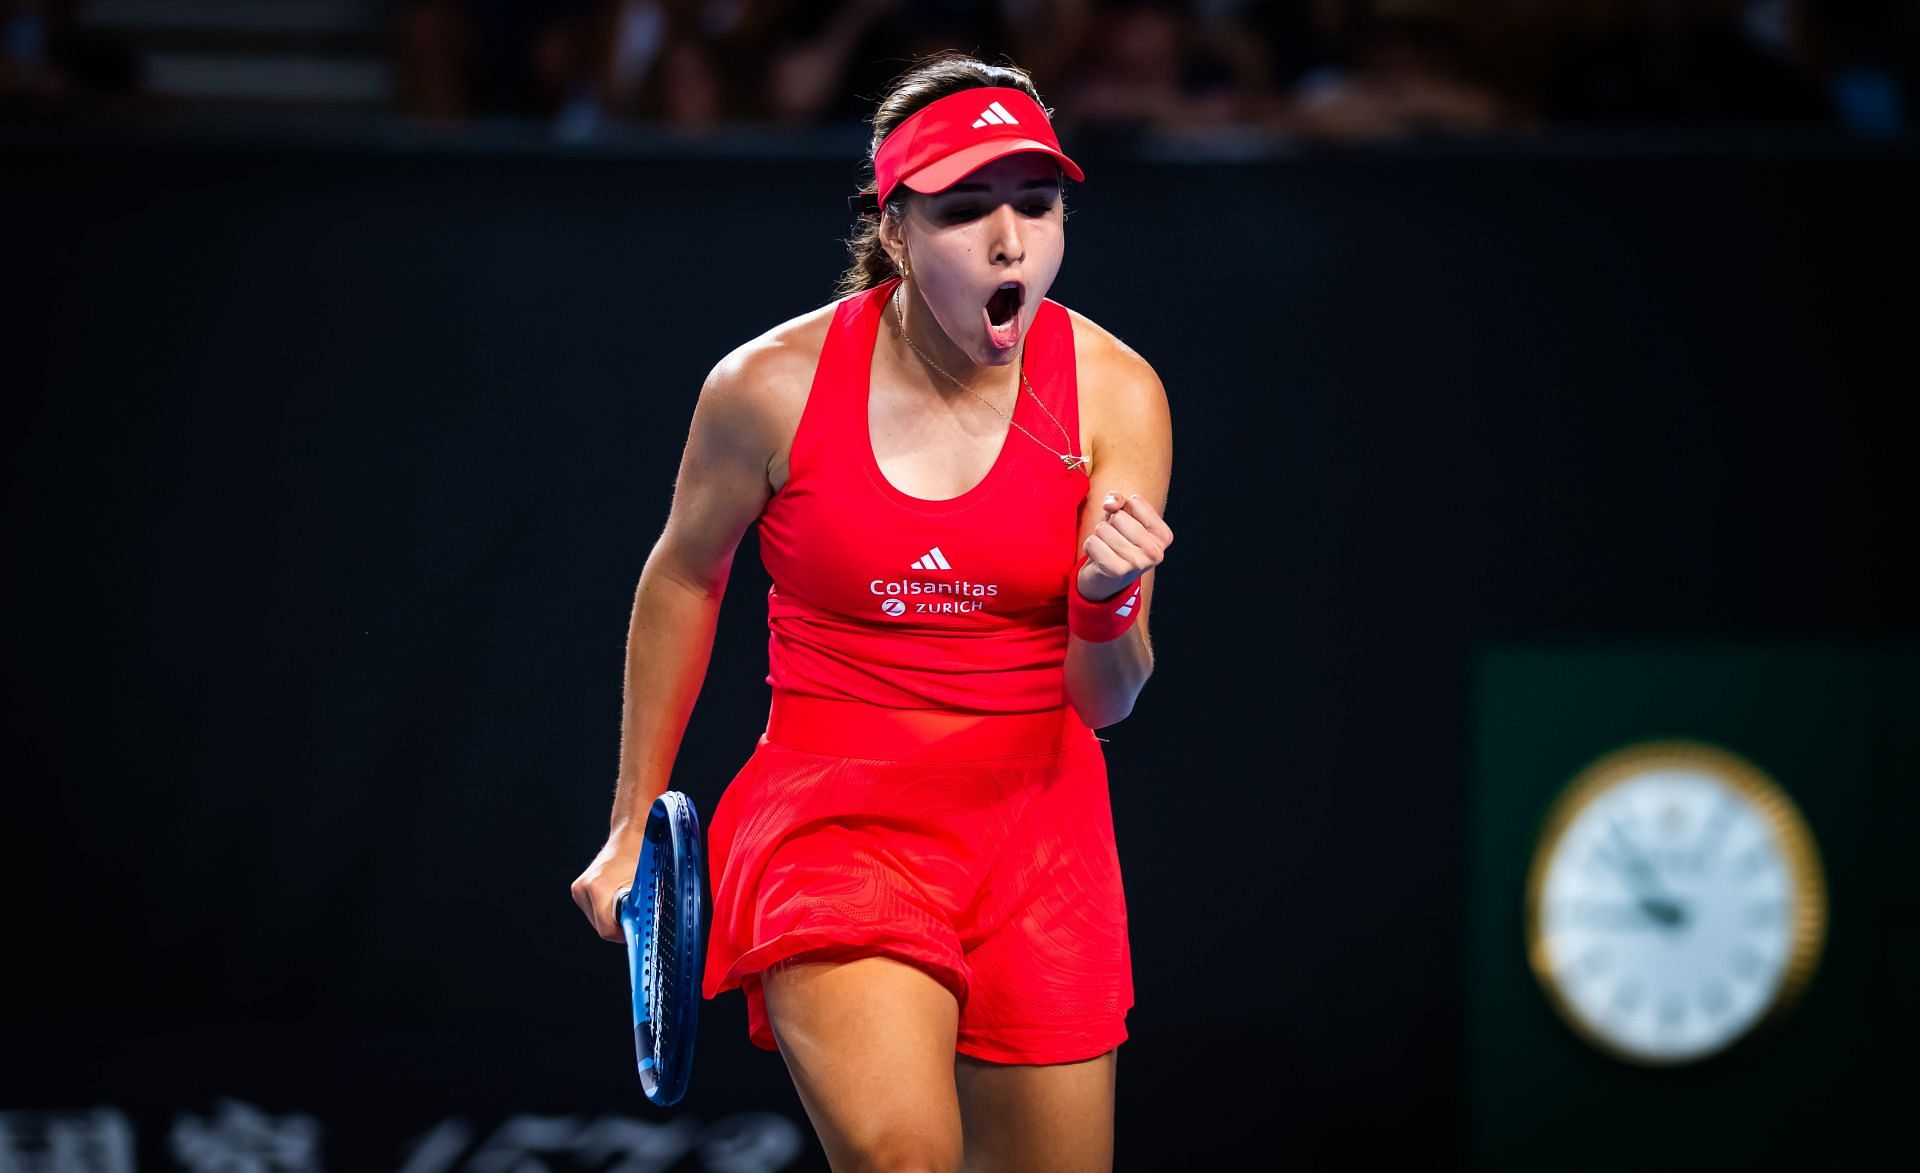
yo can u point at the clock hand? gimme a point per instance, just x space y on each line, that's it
1632 864
1650 894
1665 912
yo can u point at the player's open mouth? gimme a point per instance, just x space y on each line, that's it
1002 313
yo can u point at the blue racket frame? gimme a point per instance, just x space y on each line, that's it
669 868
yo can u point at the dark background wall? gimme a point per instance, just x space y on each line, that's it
330 470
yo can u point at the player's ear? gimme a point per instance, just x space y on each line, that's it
893 237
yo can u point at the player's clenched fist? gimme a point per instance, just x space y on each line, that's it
1131 540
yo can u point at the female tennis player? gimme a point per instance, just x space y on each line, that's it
959 486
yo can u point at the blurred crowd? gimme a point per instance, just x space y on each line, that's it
1316 69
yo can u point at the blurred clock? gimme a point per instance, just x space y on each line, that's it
1675 904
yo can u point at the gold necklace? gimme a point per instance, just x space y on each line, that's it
1067 457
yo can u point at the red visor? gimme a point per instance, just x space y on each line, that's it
944 140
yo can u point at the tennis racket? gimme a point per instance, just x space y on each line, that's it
664 918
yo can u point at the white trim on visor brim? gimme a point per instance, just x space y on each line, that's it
943 173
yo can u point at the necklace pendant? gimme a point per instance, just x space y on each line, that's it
1072 461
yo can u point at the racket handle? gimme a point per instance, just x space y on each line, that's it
618 898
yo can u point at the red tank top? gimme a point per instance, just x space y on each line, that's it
910 603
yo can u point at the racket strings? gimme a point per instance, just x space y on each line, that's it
667 992
659 948
667 988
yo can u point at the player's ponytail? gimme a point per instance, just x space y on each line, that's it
928 80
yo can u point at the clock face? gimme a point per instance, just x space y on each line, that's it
1676 902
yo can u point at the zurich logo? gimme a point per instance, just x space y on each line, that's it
894 607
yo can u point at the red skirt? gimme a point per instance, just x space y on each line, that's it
978 848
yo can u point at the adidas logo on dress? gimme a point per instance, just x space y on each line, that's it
932 560
995 115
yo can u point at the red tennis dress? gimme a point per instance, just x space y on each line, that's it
922 790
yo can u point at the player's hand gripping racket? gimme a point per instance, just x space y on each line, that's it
664 917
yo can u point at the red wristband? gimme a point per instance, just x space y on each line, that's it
1108 619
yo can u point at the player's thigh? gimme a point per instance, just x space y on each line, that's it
1056 1117
870 1045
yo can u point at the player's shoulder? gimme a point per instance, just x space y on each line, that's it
762 384
1104 361
776 359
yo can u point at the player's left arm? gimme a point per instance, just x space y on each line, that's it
1131 445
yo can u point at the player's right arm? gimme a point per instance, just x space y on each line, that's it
721 489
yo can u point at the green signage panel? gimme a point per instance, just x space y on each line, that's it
1689 912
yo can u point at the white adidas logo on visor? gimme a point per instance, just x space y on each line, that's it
932 560
995 115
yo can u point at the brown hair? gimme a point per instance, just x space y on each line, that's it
926 81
